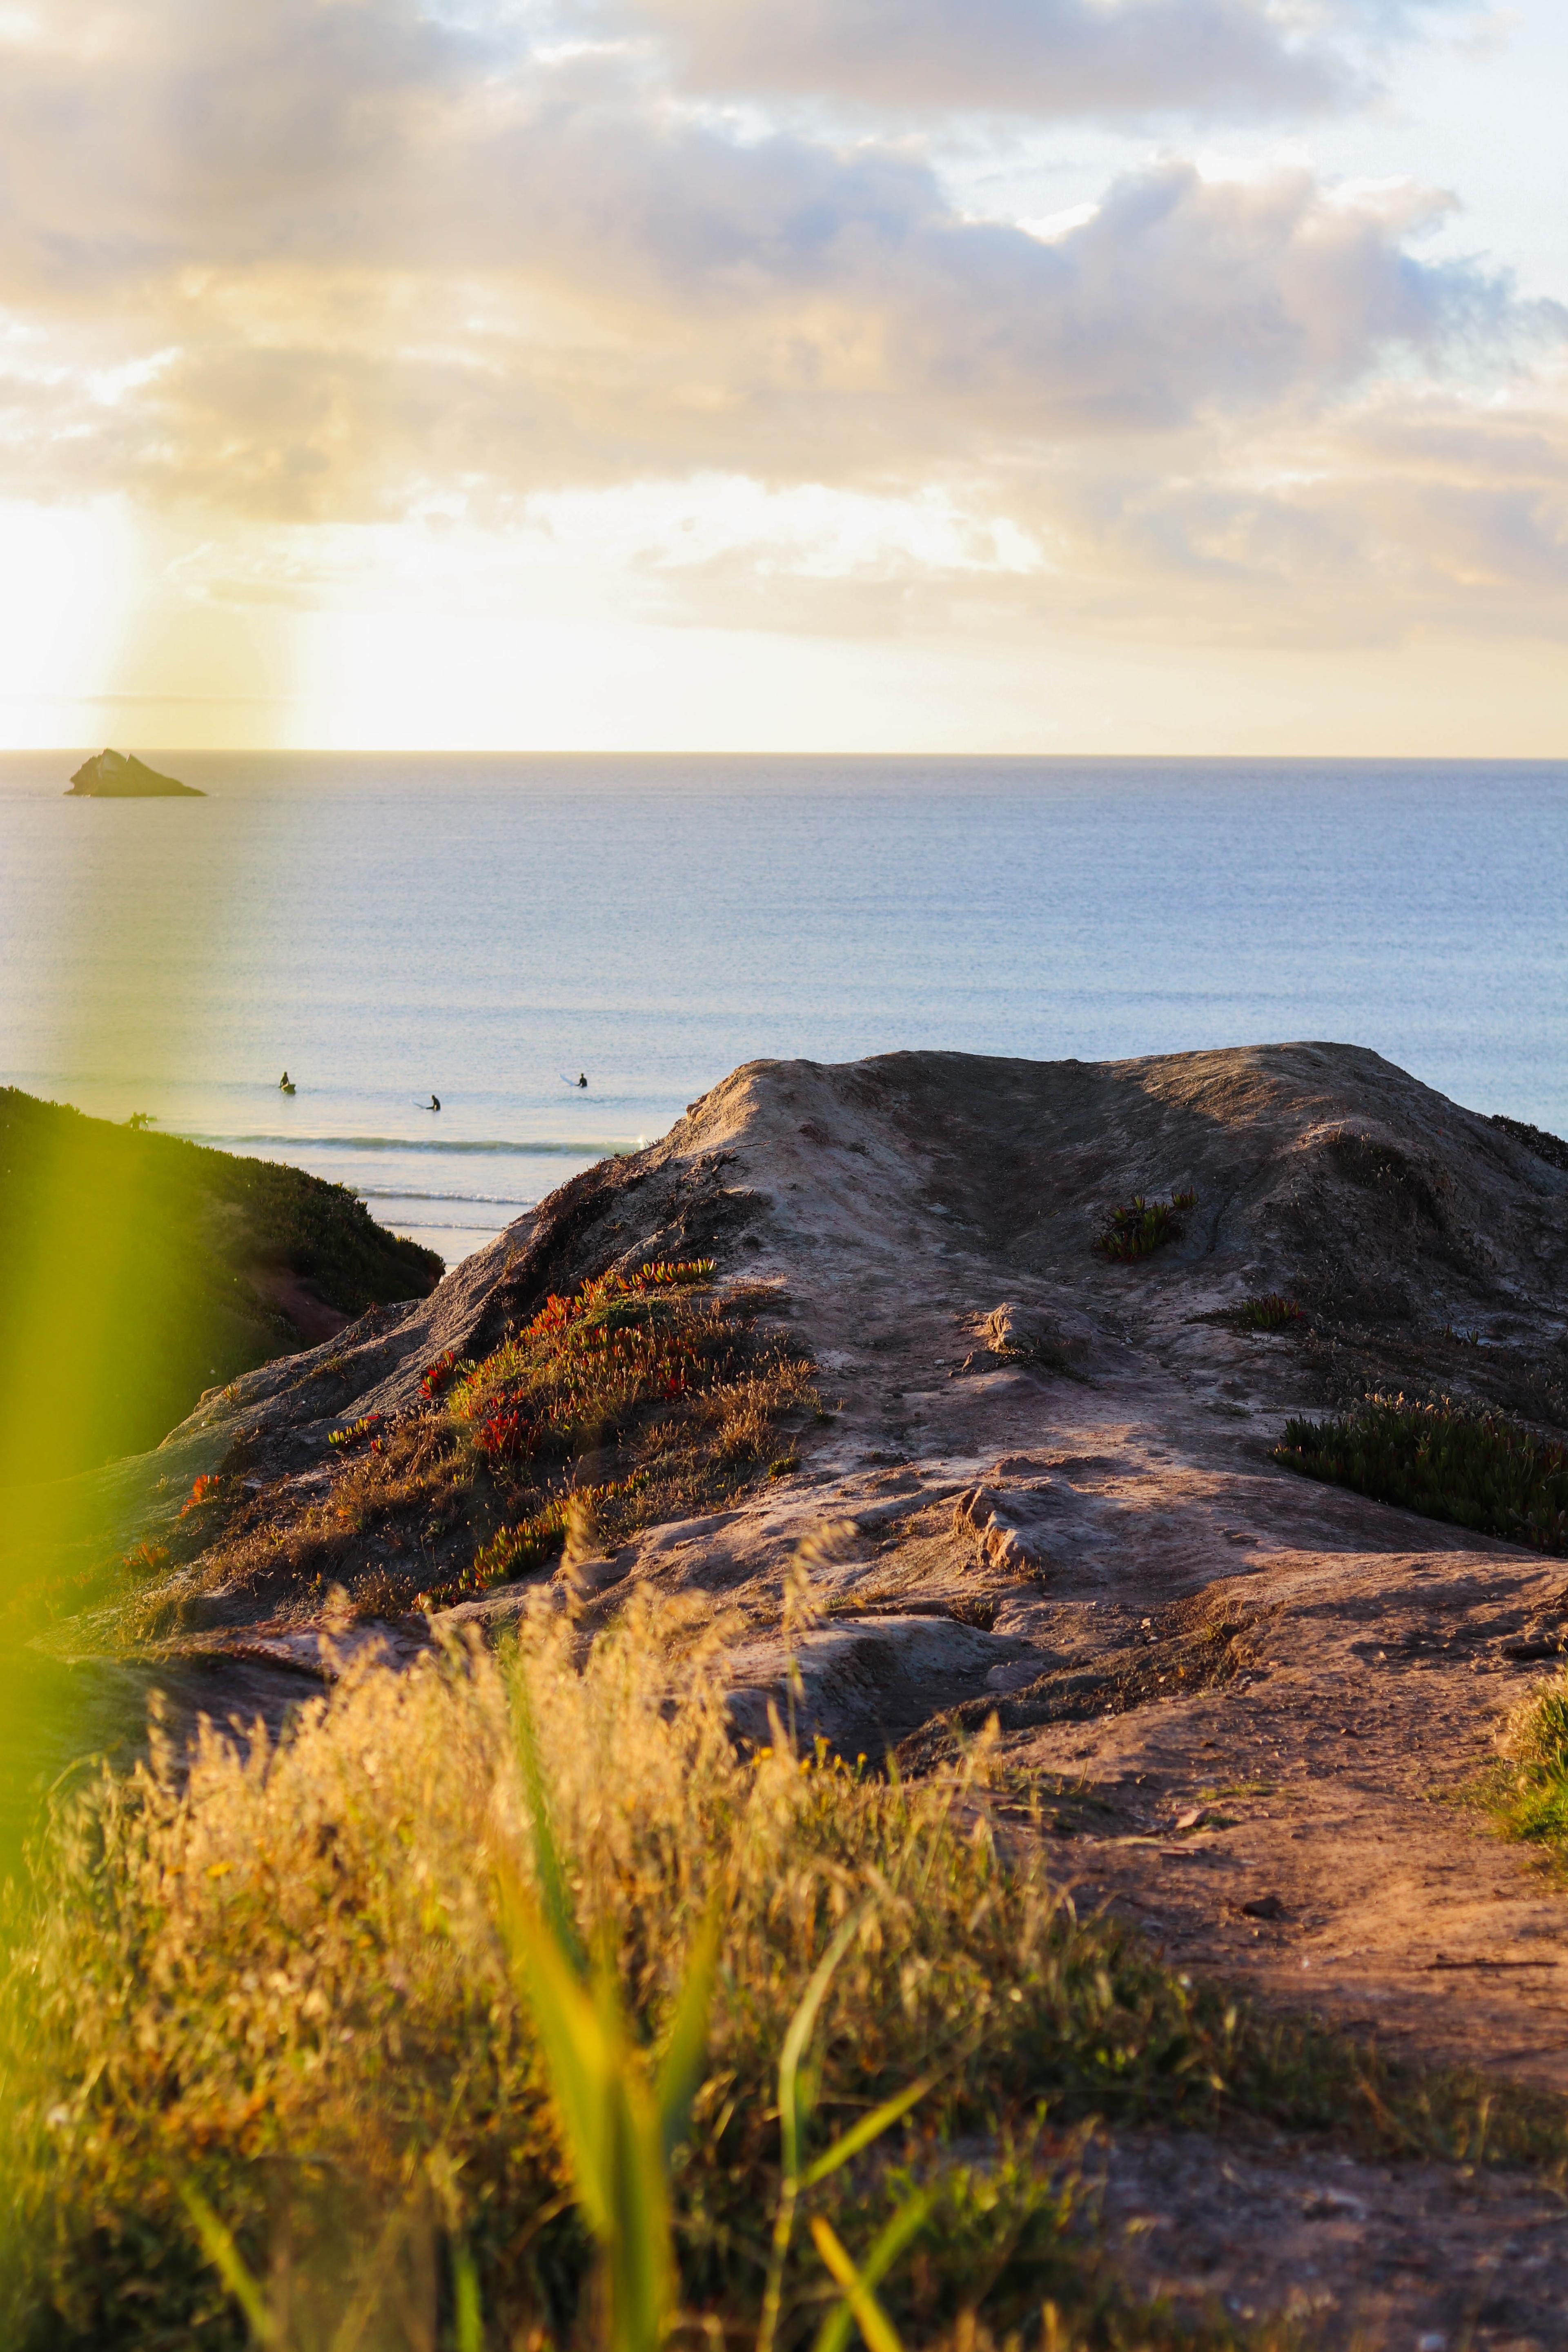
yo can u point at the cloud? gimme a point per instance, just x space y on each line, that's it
1050 58
332 264
472 270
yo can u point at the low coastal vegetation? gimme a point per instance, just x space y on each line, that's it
1273 1312
271 2033
140 1270
1142 1226
1529 1796
1475 1468
636 1398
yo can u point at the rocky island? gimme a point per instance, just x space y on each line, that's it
122 776
952 1414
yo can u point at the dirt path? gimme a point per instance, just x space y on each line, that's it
1399 2257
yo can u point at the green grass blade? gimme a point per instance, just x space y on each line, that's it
682 2071
796 2041
554 1898
468 2326
217 2244
905 2225
877 2329
642 2261
578 2048
868 2128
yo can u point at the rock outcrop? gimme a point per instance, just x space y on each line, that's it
122 776
1044 1495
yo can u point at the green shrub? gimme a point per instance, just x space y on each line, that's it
1447 1461
1531 1801
138 1271
1274 1312
1144 1226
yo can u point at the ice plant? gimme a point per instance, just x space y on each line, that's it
366 1426
205 1490
436 1376
1273 1313
1142 1226
1449 1461
518 1550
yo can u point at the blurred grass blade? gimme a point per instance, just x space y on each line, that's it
468 2318
868 2128
796 2042
369 2299
641 2256
217 2244
610 2124
619 2127
576 2049
546 1858
859 2302
682 2072
905 2225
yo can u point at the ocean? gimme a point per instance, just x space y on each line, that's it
485 928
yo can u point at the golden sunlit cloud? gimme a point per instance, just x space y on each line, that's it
476 365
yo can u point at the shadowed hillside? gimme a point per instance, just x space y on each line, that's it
139 1271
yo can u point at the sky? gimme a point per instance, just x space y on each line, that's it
1123 376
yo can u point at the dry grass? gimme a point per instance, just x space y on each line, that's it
282 1983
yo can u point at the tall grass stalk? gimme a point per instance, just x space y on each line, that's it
620 2119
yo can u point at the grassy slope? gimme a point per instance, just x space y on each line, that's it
125 1265
285 1982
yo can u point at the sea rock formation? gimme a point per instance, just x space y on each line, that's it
122 776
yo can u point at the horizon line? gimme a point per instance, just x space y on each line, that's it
709 752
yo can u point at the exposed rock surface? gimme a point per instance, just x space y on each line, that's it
1248 1704
122 776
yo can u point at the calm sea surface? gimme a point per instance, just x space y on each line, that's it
488 927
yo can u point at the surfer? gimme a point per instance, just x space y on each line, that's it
582 1081
285 1086
434 1102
